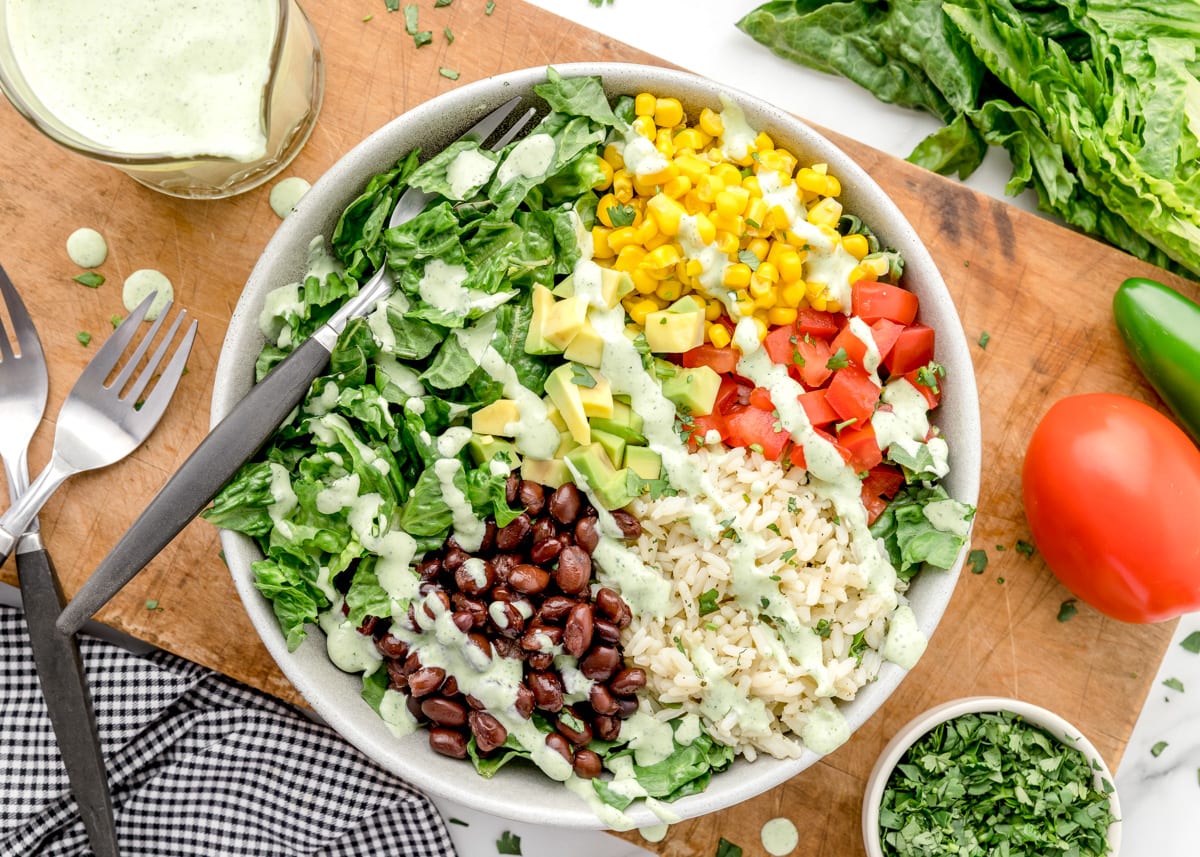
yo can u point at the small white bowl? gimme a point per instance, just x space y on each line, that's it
916 729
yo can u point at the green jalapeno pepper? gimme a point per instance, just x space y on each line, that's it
1161 329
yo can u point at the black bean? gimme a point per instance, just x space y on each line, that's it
574 570
613 607
538 636
509 623
543 528
463 620
391 646
475 578
444 712
545 551
602 701
414 708
627 706
429 569
412 663
560 745
488 544
540 660
481 642
488 731
606 630
565 504
454 558
555 608
630 528
525 701
529 579
608 728
448 742
587 534
547 690
577 634
511 487
600 663
588 764
425 681
397 680
504 564
579 737
515 535
532 497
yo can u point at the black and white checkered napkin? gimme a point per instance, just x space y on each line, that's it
199 765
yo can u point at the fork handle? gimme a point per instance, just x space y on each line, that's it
230 444
24 511
64 684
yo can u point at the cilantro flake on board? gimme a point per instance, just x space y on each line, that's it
1192 642
1066 610
725 848
1174 684
90 279
978 561
984 339
84 338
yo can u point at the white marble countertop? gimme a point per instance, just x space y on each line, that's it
1160 796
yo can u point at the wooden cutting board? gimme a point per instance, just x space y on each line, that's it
1040 291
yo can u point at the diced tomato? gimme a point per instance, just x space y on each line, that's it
701 426
729 394
818 410
755 427
873 301
885 334
874 507
796 456
913 349
852 394
822 325
780 344
931 396
811 371
796 453
860 440
760 397
720 360
855 348
884 480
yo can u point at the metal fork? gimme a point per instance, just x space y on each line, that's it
246 428
98 425
23 389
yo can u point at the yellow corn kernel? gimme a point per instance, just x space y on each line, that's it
659 178
860 272
760 247
729 174
745 306
622 237
792 294
677 187
600 248
645 231
737 276
694 268
856 245
833 187
706 232
750 183
613 157
713 309
603 214
779 161
823 169
691 166
719 336
781 315
759 287
666 213
833 306
791 268
732 201
691 138
878 265
644 125
708 187
814 289
727 241
711 122
760 328
657 241
643 282
820 303
766 302
668 290
756 210
763 142
664 143
660 262
810 180
668 112
606 178
628 257
622 185
776 219
639 308
827 212
643 104
767 271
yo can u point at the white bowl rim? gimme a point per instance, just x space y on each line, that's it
915 729
281 259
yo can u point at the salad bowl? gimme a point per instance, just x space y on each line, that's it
522 792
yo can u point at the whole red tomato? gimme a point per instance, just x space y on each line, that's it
1112 493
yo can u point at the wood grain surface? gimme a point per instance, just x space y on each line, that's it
1040 291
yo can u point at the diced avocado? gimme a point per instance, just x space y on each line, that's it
553 474
625 415
536 341
627 434
687 303
555 417
613 445
614 285
496 418
566 318
565 287
608 485
586 347
565 444
483 448
643 461
565 395
597 399
693 390
673 331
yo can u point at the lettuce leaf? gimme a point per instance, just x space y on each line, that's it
912 539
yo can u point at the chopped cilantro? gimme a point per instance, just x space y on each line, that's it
725 848
90 279
747 258
508 843
712 626
489 8
438 4
392 5
151 604
679 644
977 560
581 377
1157 749
1001 548
457 821
1024 547
839 360
858 646
366 18
844 424
984 339
823 629
1192 642
1000 580
1066 610
792 507
422 38
787 554
622 215
751 222
449 73
115 321
708 602
449 34
410 18
1174 684
775 529
764 601
927 375
84 338
756 447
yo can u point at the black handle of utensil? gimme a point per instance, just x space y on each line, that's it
68 700
228 446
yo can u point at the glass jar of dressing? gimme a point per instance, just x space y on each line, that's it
199 100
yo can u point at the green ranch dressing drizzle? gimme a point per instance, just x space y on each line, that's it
468 528
441 286
907 423
87 248
528 159
713 262
469 171
286 194
140 284
779 837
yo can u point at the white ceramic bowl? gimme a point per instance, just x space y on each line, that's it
916 729
521 792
